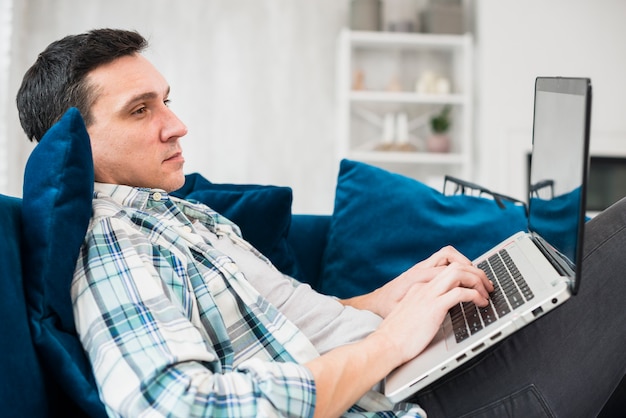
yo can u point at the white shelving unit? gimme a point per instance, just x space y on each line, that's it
389 64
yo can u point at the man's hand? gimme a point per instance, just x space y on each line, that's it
384 299
427 303
413 306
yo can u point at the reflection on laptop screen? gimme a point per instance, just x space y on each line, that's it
559 166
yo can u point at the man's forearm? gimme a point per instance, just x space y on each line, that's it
363 302
345 374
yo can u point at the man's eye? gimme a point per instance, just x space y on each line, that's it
140 111
167 102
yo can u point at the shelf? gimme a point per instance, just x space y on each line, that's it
404 40
406 97
407 157
403 58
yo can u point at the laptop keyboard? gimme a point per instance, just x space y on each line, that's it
510 291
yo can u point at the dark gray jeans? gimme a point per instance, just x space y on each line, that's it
565 364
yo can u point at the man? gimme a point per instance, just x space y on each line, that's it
180 316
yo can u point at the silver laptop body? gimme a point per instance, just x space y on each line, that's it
544 262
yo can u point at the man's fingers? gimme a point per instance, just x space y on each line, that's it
445 256
463 294
463 276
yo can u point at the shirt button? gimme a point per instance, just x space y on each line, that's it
157 196
186 228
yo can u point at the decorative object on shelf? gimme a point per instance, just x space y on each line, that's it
389 133
432 83
443 16
439 141
400 15
394 85
402 134
365 15
395 134
359 80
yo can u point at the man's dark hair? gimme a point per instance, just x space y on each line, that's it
57 80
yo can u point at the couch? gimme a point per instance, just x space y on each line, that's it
377 213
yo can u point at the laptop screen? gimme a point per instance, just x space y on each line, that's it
559 164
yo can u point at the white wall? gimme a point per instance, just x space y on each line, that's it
254 80
6 13
519 40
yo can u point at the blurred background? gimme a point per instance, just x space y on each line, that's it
261 84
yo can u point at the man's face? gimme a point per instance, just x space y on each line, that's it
134 135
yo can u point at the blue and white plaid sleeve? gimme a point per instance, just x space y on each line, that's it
135 310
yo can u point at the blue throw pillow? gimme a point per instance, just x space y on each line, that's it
263 213
22 392
383 223
56 208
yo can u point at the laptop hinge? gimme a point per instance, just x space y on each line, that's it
559 261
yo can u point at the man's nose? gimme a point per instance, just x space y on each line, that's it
173 126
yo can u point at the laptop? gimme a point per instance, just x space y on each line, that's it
533 271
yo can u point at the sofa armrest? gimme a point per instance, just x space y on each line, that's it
307 236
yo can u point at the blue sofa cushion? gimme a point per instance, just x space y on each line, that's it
57 195
383 223
22 389
263 213
308 235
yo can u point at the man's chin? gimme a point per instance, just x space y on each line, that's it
174 183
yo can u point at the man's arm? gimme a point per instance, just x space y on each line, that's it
343 375
154 349
146 354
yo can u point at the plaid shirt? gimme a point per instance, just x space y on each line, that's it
172 327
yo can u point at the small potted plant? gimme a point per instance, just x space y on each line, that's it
439 141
